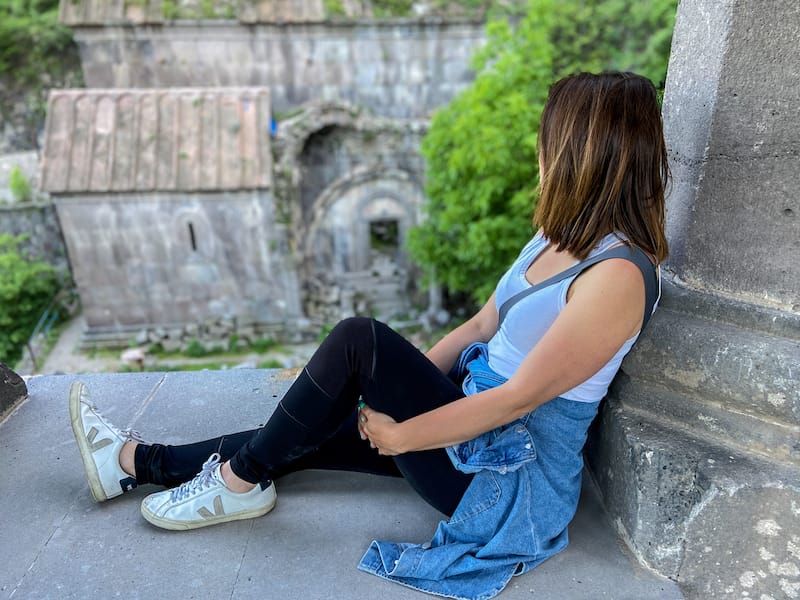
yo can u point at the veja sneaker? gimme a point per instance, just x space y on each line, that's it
99 443
206 500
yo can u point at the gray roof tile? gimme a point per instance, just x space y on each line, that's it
177 139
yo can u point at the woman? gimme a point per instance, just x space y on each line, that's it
488 427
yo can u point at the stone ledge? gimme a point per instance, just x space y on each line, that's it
722 524
308 547
720 370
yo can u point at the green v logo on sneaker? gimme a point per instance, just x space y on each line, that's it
218 510
99 445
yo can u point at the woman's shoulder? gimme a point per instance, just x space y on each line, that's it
614 282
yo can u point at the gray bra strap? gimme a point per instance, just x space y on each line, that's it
633 254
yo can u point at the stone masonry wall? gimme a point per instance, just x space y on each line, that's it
171 259
398 68
40 221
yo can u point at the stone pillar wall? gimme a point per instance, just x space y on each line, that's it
697 451
731 122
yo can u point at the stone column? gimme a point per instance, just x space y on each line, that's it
697 452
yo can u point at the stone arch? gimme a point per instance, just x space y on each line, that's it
313 117
372 191
353 257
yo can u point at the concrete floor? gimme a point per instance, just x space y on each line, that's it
58 543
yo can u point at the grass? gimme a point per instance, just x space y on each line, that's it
196 357
264 353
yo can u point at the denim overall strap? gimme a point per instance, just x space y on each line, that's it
631 253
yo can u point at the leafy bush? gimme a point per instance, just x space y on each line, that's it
263 345
204 9
334 8
26 288
36 53
195 349
20 188
482 166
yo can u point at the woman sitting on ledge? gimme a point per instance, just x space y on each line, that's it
488 426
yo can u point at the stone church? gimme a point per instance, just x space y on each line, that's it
251 174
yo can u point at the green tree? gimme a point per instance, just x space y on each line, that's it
480 151
36 53
26 288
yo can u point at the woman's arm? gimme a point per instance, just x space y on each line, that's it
604 310
480 328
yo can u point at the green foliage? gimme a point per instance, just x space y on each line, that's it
26 288
482 165
204 9
324 332
195 349
20 188
169 8
232 343
262 345
272 363
31 39
392 8
334 8
36 53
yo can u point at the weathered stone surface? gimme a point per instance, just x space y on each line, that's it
716 520
171 345
755 531
40 222
698 449
718 377
136 263
398 69
731 124
12 388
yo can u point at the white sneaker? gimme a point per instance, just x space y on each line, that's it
206 500
99 443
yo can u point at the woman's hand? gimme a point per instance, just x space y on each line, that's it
382 431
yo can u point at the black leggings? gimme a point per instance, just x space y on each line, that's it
314 425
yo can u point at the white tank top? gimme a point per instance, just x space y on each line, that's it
529 319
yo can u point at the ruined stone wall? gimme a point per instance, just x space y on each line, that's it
351 187
171 259
398 68
40 221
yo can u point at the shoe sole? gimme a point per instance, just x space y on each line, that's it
173 525
83 445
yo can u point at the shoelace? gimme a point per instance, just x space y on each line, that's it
203 479
128 433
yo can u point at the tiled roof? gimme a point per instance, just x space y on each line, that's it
177 139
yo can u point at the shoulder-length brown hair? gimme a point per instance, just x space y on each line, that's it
603 164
